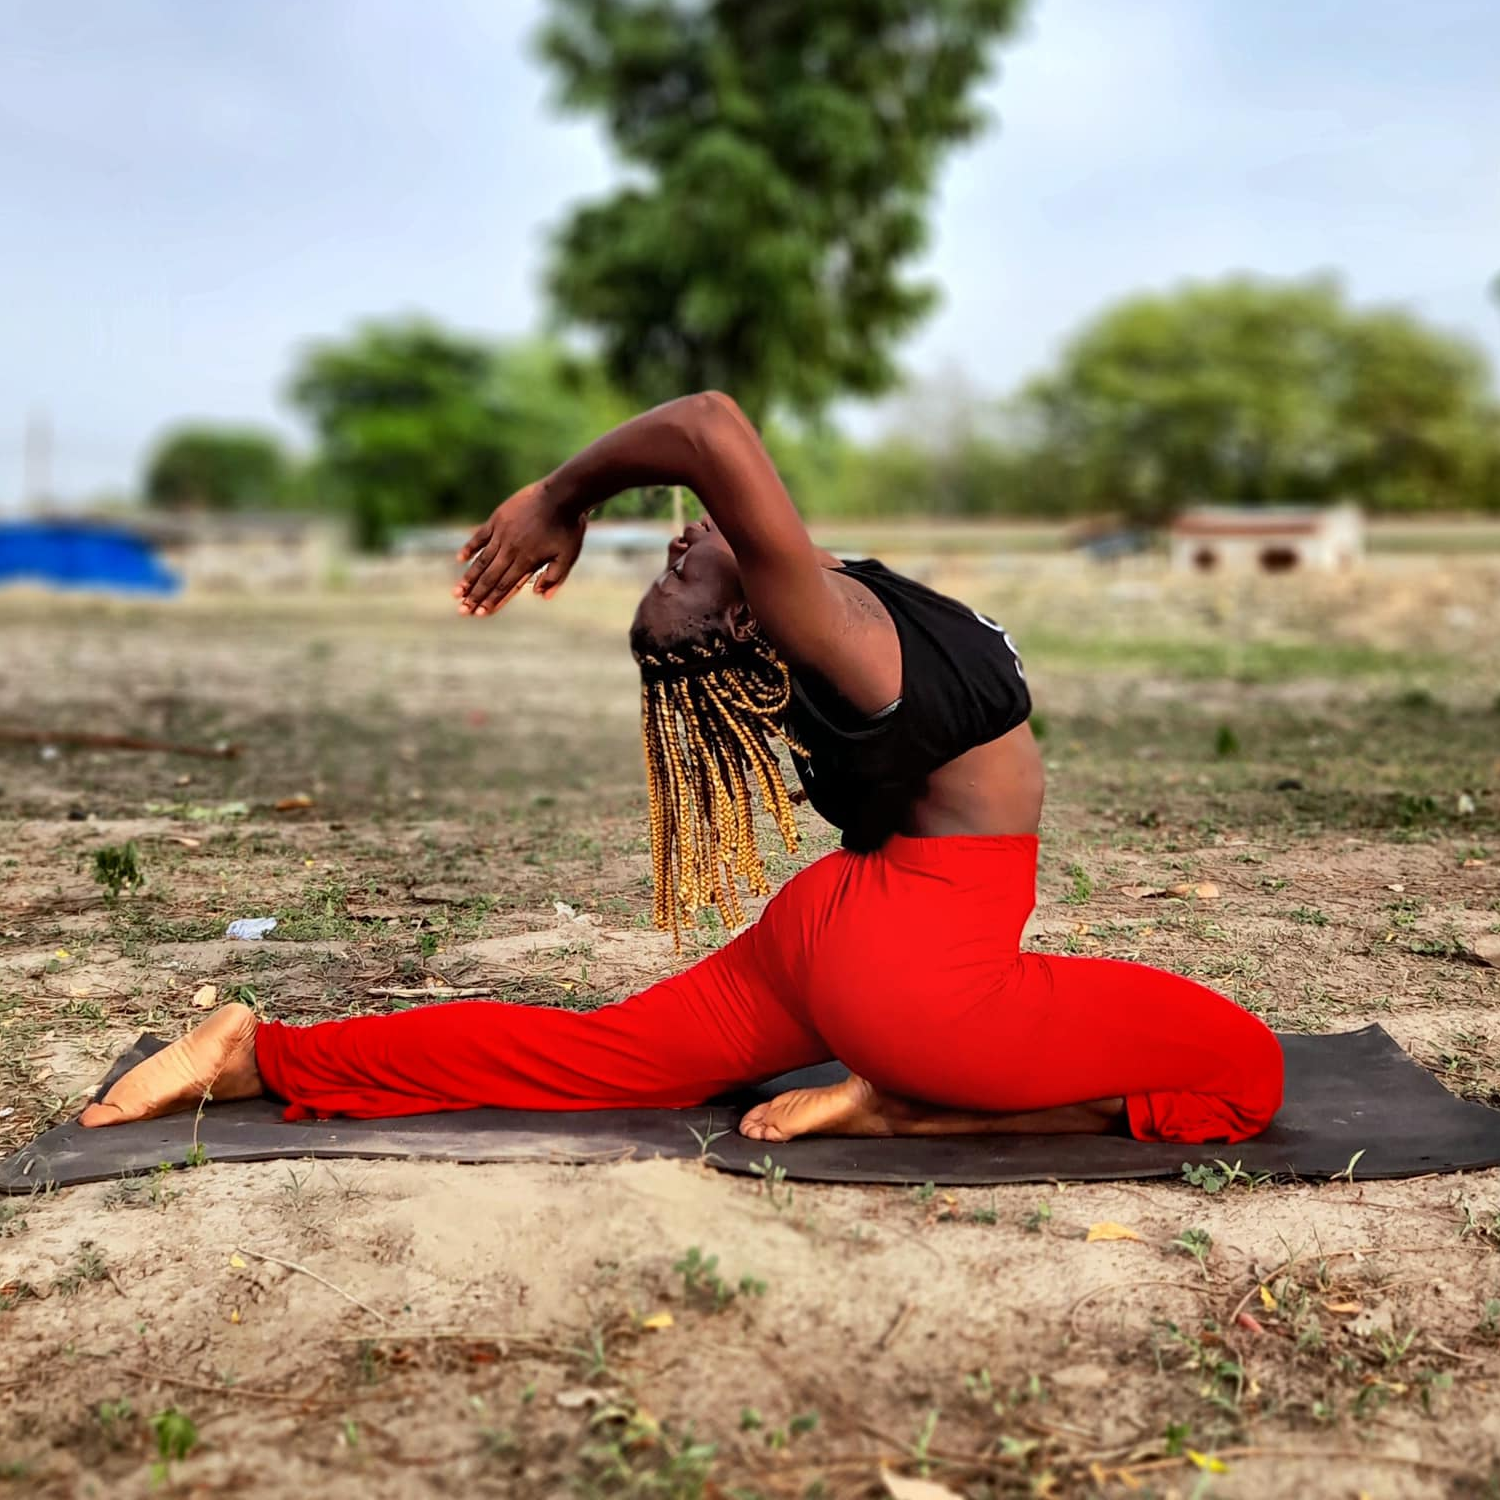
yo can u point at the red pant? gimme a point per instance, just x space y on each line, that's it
904 964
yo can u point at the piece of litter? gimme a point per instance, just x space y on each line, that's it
658 1320
902 1487
205 996
1466 804
566 912
250 929
294 804
9 1110
50 752
1396 886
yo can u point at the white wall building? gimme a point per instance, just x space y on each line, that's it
1267 538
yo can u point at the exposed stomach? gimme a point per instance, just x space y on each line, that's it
993 789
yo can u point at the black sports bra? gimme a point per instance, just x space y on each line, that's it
961 686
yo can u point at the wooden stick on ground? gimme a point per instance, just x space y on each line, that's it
113 742
292 1265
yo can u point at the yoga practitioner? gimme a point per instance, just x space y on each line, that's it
904 713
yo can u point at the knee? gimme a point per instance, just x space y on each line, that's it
1261 1067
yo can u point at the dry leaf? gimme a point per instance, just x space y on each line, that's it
658 1320
234 1315
1267 1301
1108 1231
294 804
1141 892
1249 1322
1487 949
238 1261
185 841
205 996
1206 1461
1203 890
1396 886
899 1487
1474 864
1344 1307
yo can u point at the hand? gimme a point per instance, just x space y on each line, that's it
525 537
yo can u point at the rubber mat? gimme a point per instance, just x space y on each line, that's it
1356 1092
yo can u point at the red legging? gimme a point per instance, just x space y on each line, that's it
904 964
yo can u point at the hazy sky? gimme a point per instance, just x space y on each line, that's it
189 189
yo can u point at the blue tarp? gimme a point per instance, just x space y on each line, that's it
82 555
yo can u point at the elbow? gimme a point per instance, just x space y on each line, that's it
710 420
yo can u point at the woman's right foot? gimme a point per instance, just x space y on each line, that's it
215 1060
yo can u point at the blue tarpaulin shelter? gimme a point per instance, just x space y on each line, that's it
82 555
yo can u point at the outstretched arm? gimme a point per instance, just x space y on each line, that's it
704 442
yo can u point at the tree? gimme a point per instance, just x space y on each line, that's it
418 424
782 154
1250 392
219 469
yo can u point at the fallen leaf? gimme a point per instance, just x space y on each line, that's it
1267 1301
1109 1231
1474 864
238 1261
658 1320
899 1487
1344 1307
205 996
234 1316
1203 890
1487 949
294 804
1206 1461
184 840
62 953
1396 886
1141 892
1250 1322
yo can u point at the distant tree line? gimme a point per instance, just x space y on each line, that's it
1239 391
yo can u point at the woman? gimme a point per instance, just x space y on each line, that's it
905 714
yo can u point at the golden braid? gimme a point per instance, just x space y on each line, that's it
708 713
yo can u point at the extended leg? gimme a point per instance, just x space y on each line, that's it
675 1044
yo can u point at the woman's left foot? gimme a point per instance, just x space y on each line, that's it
853 1107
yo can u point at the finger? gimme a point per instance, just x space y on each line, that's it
506 584
550 579
477 569
480 537
488 570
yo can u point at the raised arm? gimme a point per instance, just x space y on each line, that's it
704 442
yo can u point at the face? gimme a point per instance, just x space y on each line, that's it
699 594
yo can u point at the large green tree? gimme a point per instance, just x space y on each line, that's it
417 424
781 156
1250 391
218 469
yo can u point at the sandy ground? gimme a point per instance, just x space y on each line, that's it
409 1328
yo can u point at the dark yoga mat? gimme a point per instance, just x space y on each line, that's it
1356 1092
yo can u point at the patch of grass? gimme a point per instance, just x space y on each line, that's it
88 1266
118 869
1082 886
702 1285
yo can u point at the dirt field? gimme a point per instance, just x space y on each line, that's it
1327 754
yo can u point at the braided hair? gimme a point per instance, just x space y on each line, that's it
708 713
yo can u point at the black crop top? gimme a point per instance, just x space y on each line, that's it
961 686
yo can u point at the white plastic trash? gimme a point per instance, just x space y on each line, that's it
250 929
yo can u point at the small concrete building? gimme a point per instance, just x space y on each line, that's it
1267 538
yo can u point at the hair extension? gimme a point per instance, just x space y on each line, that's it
708 712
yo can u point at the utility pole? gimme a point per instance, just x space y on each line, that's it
36 487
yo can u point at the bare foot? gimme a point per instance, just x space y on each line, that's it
857 1107
215 1060
852 1107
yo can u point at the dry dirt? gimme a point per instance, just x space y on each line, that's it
1327 754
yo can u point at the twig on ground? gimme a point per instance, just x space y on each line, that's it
1115 1286
231 1390
90 741
437 992
292 1265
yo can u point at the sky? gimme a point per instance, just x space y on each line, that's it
191 191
